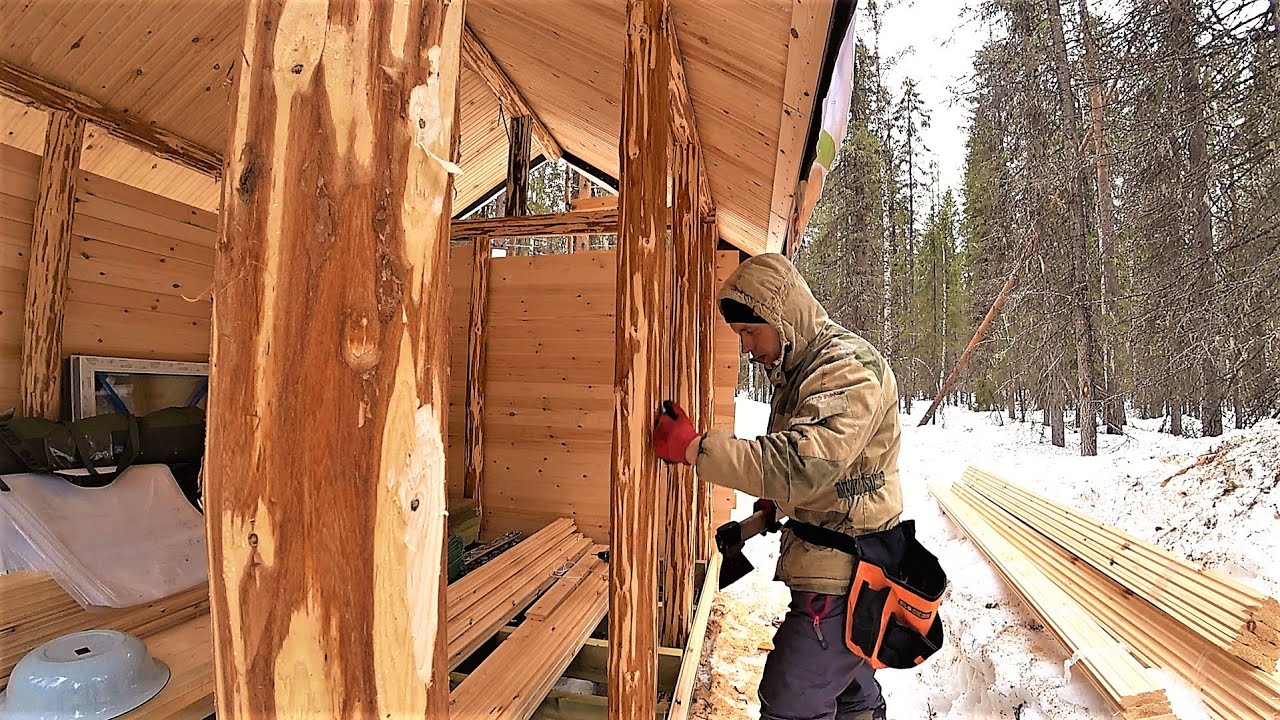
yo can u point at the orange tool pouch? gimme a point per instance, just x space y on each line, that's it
892 620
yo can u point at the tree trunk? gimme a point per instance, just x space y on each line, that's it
1200 221
1113 399
1175 416
1057 423
1074 188
642 156
325 470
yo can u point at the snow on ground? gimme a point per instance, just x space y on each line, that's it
1213 500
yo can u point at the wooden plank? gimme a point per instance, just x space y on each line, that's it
328 584
1106 663
30 89
810 22
591 662
642 153
1230 688
46 296
1239 619
596 222
478 58
89 185
707 289
682 696
477 334
517 196
513 681
678 551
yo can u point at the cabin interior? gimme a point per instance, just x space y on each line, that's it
210 184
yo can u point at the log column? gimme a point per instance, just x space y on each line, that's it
518 166
678 551
325 469
477 335
46 298
708 287
642 151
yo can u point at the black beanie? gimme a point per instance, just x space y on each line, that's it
736 312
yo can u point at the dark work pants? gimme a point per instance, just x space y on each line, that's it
804 681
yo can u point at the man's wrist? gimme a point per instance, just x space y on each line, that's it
691 450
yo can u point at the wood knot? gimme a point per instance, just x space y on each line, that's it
253 539
361 340
413 506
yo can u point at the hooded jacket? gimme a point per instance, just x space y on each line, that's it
830 457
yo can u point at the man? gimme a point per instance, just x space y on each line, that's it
830 459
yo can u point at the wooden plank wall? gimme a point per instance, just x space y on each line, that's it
141 270
549 394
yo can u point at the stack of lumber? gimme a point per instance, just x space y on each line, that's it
512 682
1236 618
490 596
1109 667
1146 617
37 610
188 651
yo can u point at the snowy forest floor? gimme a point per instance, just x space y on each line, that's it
1223 510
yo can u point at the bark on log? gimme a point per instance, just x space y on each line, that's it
40 387
642 151
518 167
325 494
477 335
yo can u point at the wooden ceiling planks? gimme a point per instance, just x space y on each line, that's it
167 62
164 61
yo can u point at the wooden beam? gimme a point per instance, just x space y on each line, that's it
325 469
642 159
47 267
684 128
683 695
810 24
517 202
31 89
477 347
601 222
708 288
678 556
478 58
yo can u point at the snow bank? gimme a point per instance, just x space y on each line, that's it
1221 510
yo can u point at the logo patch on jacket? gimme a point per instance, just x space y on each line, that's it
864 484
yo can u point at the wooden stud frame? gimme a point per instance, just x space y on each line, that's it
326 511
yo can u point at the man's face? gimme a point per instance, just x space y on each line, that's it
760 340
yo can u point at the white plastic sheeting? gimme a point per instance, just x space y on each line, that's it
133 541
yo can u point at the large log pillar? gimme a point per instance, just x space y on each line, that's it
477 347
677 576
642 151
40 386
325 495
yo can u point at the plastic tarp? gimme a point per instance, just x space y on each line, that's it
133 541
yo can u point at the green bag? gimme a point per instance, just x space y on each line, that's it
172 436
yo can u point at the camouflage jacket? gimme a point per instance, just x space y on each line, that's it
830 457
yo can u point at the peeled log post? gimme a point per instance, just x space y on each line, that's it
325 471
642 151
477 335
678 576
518 167
47 267
707 317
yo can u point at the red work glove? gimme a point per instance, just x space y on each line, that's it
672 433
771 510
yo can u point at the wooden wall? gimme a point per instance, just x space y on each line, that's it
549 390
140 274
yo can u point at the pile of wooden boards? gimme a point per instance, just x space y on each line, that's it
513 681
175 629
488 598
1216 634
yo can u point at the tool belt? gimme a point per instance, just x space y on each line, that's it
892 619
